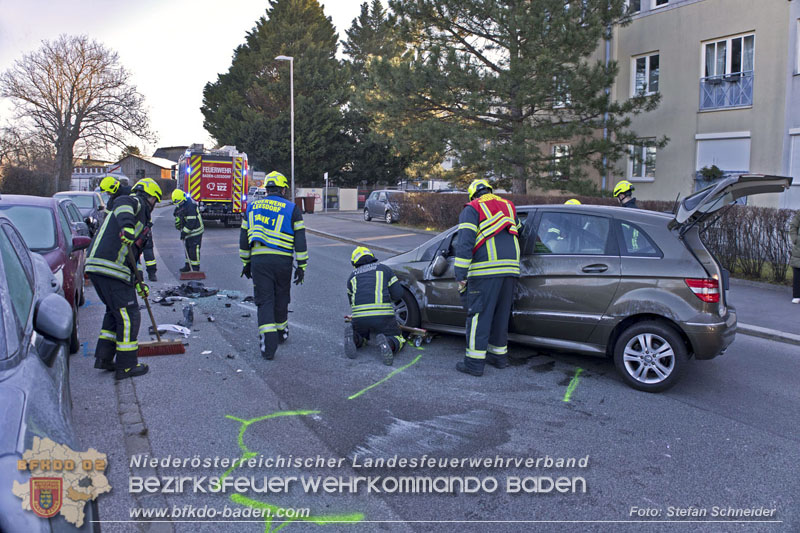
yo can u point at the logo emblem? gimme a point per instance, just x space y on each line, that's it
46 495
211 186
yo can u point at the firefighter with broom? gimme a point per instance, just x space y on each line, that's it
189 222
112 273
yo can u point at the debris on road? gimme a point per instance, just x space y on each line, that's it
211 318
245 315
188 316
171 327
205 352
192 289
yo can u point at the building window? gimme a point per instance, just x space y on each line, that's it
635 6
642 161
645 78
559 165
728 66
562 97
659 3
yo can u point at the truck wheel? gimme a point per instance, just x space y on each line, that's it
650 356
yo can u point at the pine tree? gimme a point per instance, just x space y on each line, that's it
492 83
249 106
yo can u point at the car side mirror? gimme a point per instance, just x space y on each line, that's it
80 242
52 320
439 266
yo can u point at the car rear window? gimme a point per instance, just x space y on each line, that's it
572 234
635 242
84 201
36 224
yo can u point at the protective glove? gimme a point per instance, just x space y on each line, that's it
462 286
143 290
178 223
299 275
127 236
246 271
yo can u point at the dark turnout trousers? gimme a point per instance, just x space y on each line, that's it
149 257
120 328
272 277
489 303
193 251
363 326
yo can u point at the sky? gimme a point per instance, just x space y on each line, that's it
171 48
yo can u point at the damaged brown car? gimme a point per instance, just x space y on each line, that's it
636 286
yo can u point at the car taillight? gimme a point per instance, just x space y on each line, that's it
705 289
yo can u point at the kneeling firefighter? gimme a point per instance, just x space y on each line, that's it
486 268
110 271
371 288
272 231
190 223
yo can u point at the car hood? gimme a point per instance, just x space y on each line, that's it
706 202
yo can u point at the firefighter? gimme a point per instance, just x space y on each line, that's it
112 186
623 192
273 230
110 271
371 288
486 268
190 223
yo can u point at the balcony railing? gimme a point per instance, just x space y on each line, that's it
729 90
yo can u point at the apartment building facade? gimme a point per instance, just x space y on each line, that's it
728 72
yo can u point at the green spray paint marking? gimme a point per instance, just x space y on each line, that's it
396 371
247 454
573 384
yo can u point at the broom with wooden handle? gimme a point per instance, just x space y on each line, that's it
158 347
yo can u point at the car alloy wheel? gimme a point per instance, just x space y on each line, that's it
650 356
389 218
366 215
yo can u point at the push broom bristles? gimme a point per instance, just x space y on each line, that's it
160 348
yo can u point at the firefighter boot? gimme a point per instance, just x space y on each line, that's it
151 275
497 361
186 268
386 349
283 335
196 268
104 364
138 370
471 367
349 341
268 355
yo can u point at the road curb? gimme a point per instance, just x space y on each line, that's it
770 334
351 241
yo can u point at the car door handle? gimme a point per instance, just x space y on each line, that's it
589 269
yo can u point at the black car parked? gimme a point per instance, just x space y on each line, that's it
35 327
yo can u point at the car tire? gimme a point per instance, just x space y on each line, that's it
650 356
406 311
82 299
388 217
74 342
366 215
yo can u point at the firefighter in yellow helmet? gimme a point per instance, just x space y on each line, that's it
486 268
272 233
623 192
190 223
371 288
110 271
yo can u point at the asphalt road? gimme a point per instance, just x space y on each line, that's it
725 436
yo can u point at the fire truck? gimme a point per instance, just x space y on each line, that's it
217 180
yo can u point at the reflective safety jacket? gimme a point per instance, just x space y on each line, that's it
487 244
188 219
108 256
371 289
273 225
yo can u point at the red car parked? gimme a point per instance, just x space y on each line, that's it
46 229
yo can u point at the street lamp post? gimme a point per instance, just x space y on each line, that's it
290 59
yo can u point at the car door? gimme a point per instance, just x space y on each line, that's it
443 301
76 219
381 204
570 271
371 202
73 266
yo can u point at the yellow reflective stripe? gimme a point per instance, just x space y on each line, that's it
282 325
469 226
108 335
516 247
476 354
378 286
267 328
122 268
126 325
373 306
150 263
244 254
127 346
263 250
123 209
302 256
462 263
392 281
497 350
491 249
493 272
472 329
495 263
297 226
359 314
353 283
244 223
